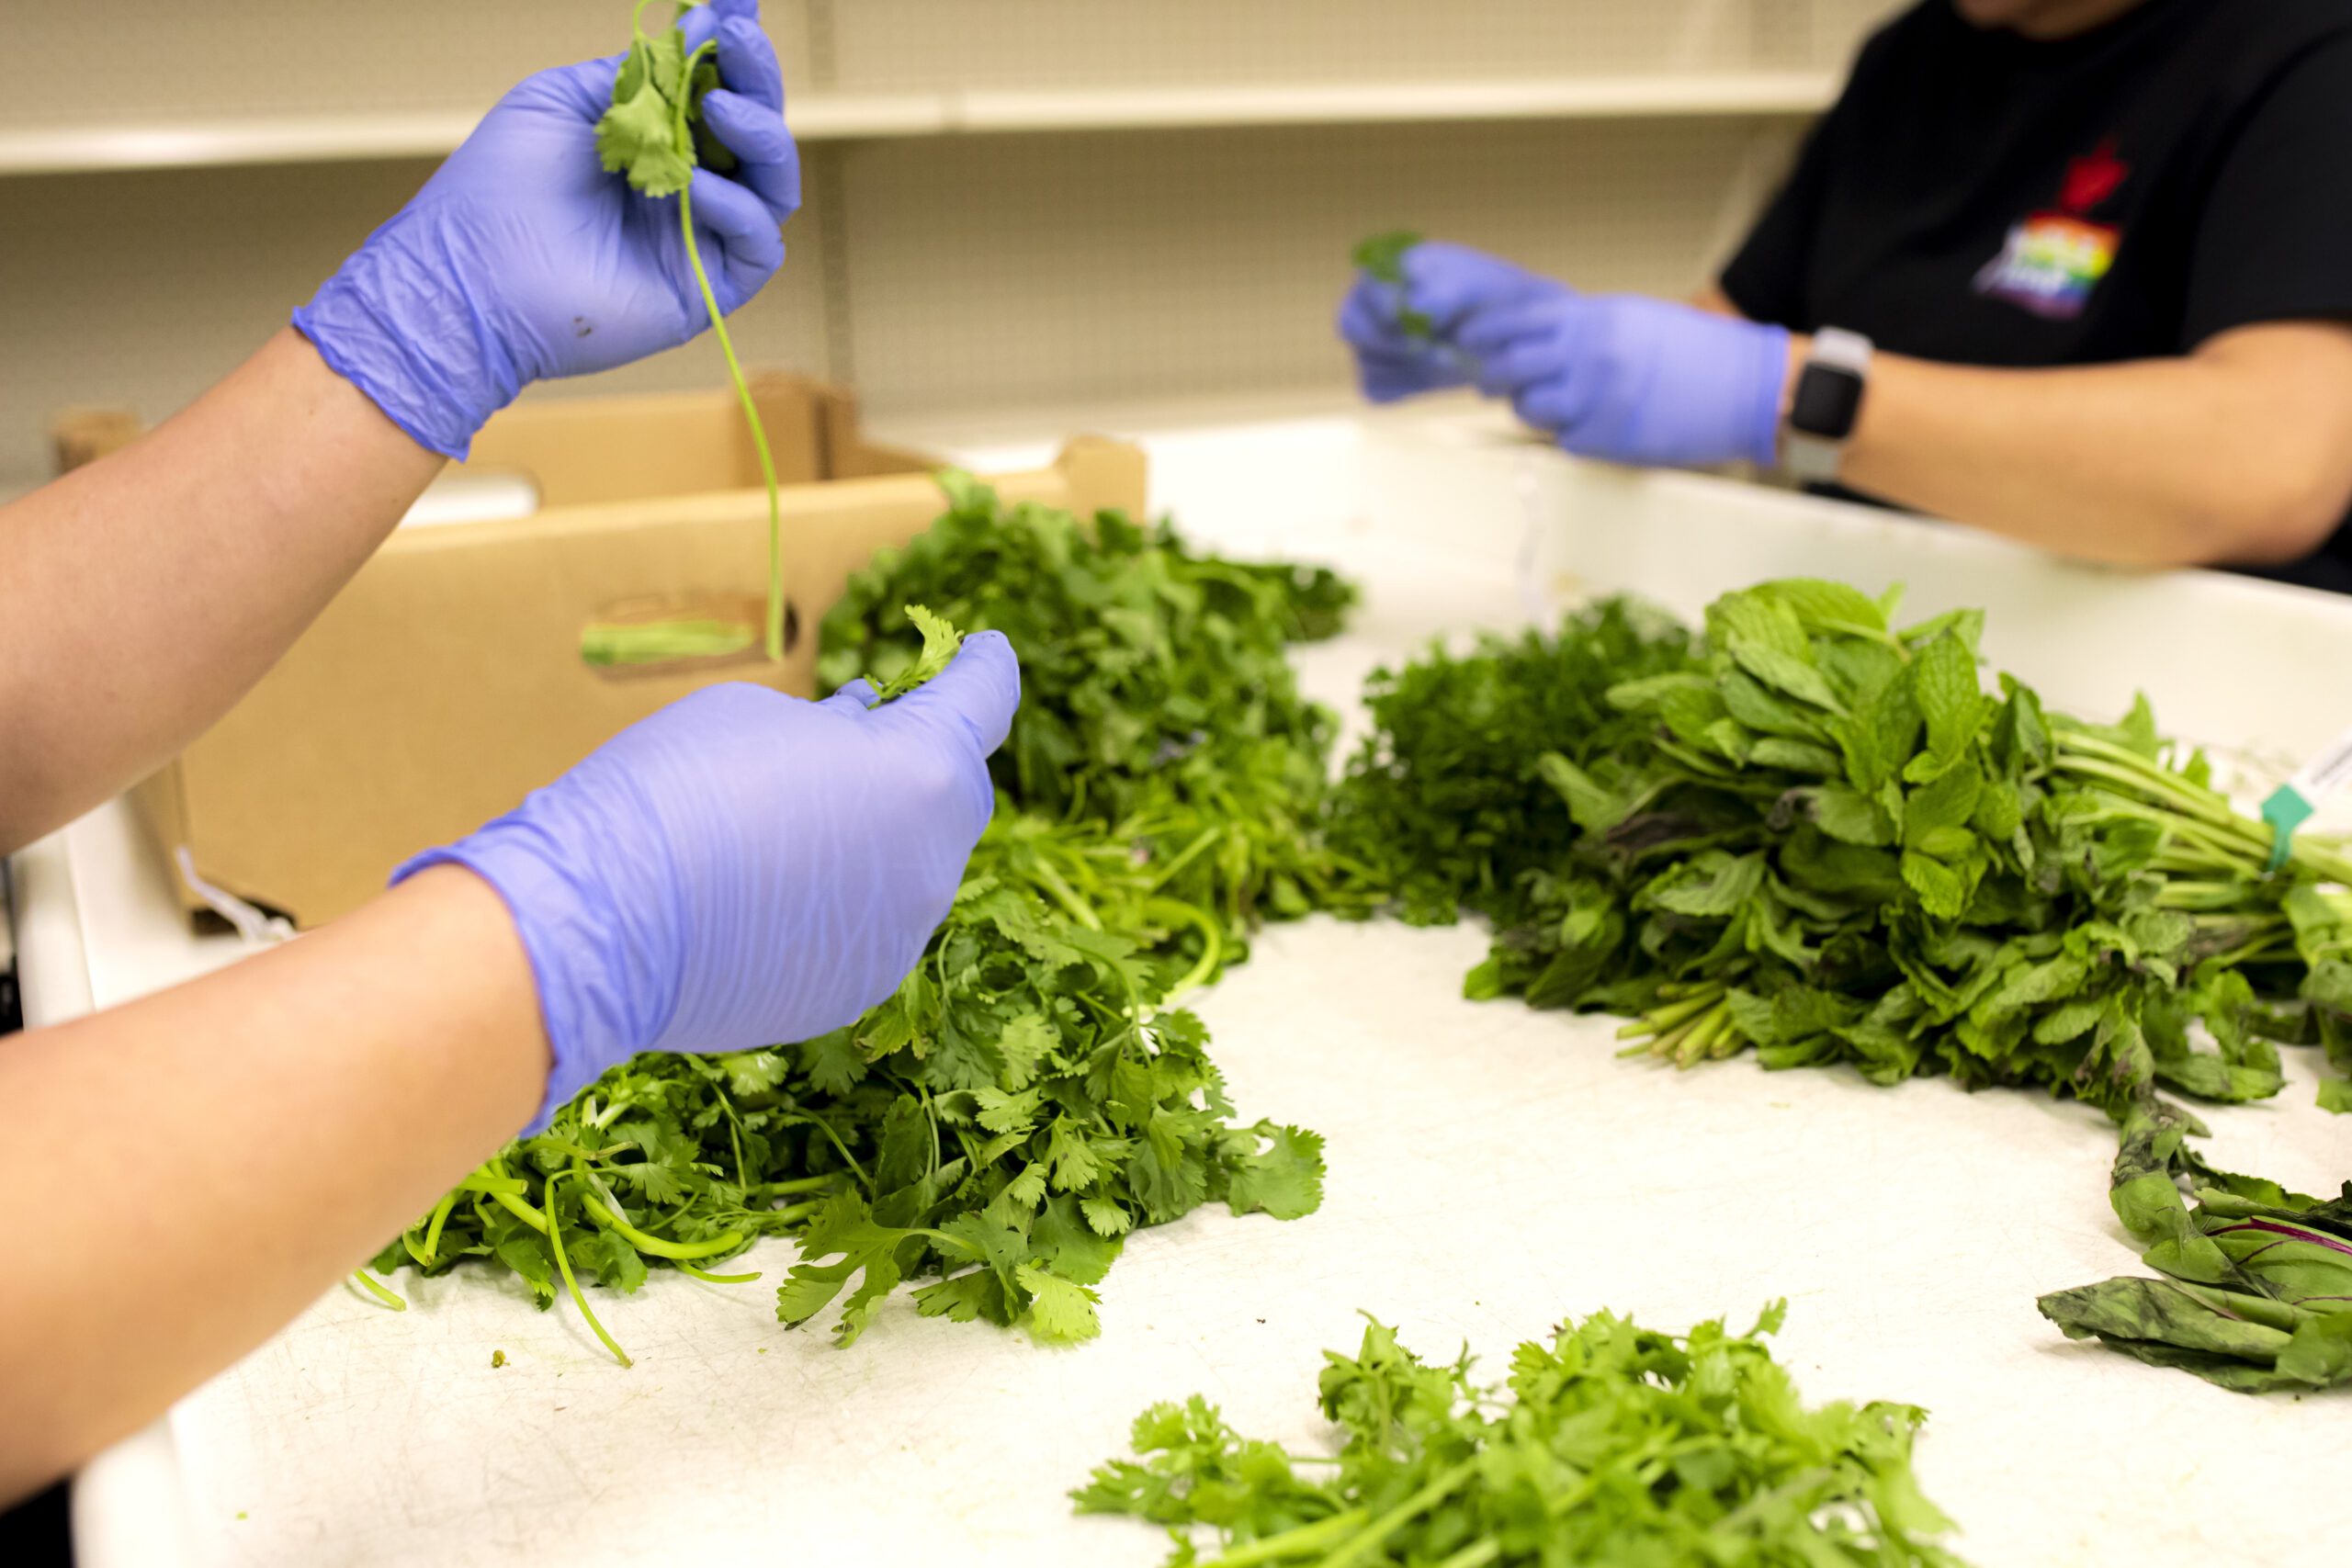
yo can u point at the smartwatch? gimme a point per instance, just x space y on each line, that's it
1828 399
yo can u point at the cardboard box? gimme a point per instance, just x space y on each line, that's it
447 681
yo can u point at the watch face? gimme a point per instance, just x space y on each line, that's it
1829 398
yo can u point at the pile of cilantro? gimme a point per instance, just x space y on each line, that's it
1030 1095
1612 1445
1810 833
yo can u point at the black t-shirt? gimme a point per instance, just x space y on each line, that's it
1981 198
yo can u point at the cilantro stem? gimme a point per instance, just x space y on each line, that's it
1478 1554
1212 943
522 1211
433 1230
370 1283
676 1251
1186 857
1066 897
1438 1487
799 1184
743 391
807 1119
563 1266
716 1279
1291 1542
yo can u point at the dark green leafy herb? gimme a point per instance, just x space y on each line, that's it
1030 1095
2257 1286
1613 1445
1815 836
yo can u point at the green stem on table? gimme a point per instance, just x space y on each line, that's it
375 1288
563 1267
1659 1021
742 395
718 1279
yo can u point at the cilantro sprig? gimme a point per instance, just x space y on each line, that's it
1610 1444
1381 257
653 135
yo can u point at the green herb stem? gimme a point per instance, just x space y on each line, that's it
522 1211
563 1266
433 1227
1291 1542
1433 1492
1478 1554
370 1283
1212 943
658 1247
800 1184
742 395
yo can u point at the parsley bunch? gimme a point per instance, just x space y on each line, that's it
1030 1094
1610 1445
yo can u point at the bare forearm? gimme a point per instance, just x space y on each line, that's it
140 596
2239 455
215 1156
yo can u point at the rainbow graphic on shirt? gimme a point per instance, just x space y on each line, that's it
2050 265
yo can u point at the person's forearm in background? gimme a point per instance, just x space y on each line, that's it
2238 455
213 1157
152 589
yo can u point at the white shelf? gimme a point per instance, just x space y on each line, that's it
846 117
1364 102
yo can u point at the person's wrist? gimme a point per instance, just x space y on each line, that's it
449 910
1772 354
587 956
410 335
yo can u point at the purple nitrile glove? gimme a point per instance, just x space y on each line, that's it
1631 378
1623 377
521 259
1391 363
744 868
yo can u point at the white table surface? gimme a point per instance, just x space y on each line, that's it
1492 1169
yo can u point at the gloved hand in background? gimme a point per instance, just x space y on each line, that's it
523 259
1623 377
744 868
